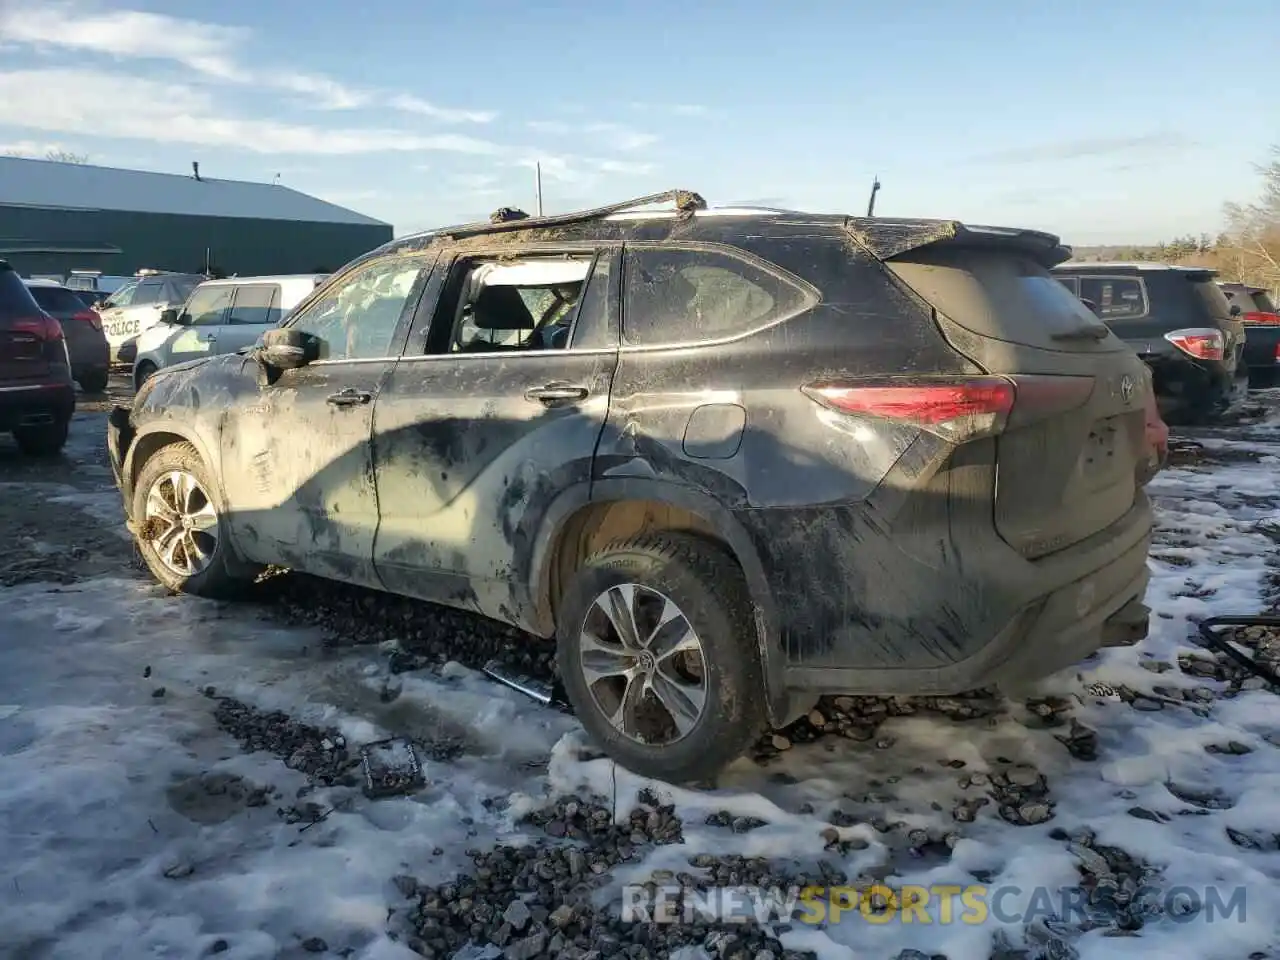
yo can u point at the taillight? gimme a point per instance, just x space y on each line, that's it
955 409
1203 343
89 317
1257 316
43 327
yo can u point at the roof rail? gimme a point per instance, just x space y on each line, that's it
686 202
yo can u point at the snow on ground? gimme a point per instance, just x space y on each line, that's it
135 826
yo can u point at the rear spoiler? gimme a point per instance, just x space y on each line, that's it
888 238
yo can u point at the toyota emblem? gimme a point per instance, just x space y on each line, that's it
1126 387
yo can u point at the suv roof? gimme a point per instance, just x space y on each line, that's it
273 278
37 282
1131 266
883 237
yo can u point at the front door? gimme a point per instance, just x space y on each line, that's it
490 414
297 457
201 320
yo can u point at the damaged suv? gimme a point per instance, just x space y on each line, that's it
729 459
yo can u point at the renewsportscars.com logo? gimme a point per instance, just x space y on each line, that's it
938 904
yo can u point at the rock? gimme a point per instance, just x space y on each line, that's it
780 742
158 692
517 914
1034 813
561 916
1024 776
1142 813
526 949
219 946
314 945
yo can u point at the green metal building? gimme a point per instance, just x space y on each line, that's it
58 217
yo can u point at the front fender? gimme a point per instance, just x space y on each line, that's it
718 517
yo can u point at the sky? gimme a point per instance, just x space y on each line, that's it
1102 122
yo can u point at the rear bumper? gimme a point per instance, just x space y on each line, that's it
30 405
985 617
1184 386
126 353
86 347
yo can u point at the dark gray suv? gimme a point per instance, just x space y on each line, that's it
728 459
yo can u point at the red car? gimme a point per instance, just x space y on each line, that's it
37 396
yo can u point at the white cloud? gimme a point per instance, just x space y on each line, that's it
410 104
208 49
29 148
580 171
615 135
74 100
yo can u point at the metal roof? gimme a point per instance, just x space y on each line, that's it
79 186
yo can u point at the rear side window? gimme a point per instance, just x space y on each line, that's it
1002 295
15 298
1117 298
57 299
1263 303
1211 295
257 303
1071 284
673 295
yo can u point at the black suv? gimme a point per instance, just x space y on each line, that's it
1262 331
37 395
1179 322
729 459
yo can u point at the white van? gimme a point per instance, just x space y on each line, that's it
220 316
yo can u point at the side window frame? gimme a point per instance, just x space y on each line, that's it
426 262
222 317
1105 277
433 325
809 297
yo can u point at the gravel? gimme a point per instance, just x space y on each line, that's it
536 900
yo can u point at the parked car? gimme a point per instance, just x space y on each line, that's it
82 327
221 316
95 281
1262 331
1179 322
37 395
137 307
729 459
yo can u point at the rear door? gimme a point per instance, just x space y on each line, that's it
255 310
1067 461
494 409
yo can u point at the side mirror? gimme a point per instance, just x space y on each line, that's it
1093 307
169 316
287 349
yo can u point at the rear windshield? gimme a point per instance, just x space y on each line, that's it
1003 296
1212 296
57 299
15 299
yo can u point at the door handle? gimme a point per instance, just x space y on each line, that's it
554 393
349 398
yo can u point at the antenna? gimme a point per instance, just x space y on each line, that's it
195 168
537 181
871 204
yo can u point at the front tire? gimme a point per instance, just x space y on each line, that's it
46 440
182 535
657 652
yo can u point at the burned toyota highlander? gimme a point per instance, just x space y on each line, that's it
729 459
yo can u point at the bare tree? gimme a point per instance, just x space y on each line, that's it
1252 247
66 156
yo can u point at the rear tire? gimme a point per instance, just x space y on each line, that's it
95 381
46 440
661 575
182 534
146 370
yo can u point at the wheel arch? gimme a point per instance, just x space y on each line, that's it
152 438
586 516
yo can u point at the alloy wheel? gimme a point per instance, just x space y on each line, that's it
644 664
180 523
